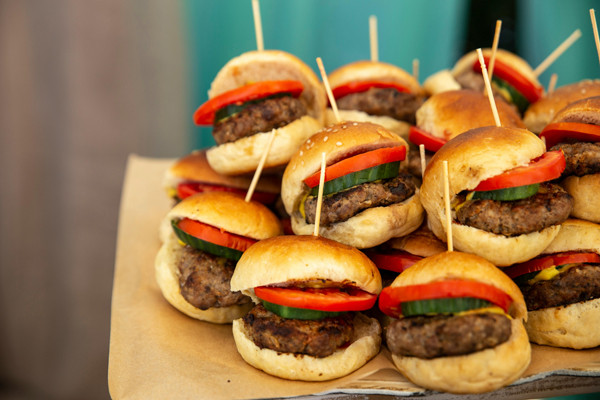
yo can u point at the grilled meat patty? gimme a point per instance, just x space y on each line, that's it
343 205
204 279
550 206
446 335
581 158
578 283
263 116
383 101
318 338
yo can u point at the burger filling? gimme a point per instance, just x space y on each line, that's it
581 158
384 102
255 117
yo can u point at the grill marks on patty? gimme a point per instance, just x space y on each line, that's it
550 206
581 158
259 117
343 205
383 101
204 279
446 335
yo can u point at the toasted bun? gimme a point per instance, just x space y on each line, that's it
539 114
585 111
472 157
364 346
398 127
195 168
584 190
167 277
368 228
302 258
450 113
421 242
439 82
250 219
479 372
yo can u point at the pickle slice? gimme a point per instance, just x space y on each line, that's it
437 306
203 245
515 96
382 171
298 313
508 194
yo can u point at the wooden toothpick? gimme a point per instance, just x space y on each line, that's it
557 53
595 29
494 48
373 38
328 90
552 83
447 206
257 26
415 69
423 161
488 88
320 196
261 164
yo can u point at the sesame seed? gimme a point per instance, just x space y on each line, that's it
355 123
326 138
338 144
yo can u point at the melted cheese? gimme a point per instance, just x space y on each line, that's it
491 309
548 273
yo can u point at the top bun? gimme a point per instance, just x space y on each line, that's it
457 265
540 113
585 111
421 242
301 258
450 113
268 65
575 235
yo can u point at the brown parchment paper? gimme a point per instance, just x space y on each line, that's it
156 352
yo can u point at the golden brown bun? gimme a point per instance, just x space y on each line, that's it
585 111
584 190
575 234
226 211
448 114
439 82
540 113
301 258
195 168
364 346
398 127
472 157
421 242
167 277
370 227
479 372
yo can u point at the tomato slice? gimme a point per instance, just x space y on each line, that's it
325 299
391 297
419 136
563 131
186 189
214 235
205 114
545 168
363 86
553 260
528 89
392 259
358 163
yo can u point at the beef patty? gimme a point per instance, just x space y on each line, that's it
317 338
204 279
263 116
550 206
383 101
446 335
581 158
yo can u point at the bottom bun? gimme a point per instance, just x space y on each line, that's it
365 345
398 127
167 277
370 227
573 326
243 155
586 202
479 372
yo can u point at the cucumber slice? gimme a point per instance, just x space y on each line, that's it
515 96
298 313
231 109
203 245
436 306
508 194
382 171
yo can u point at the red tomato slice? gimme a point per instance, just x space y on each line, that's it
391 297
393 260
528 89
358 163
553 260
419 136
186 189
326 299
205 114
545 168
363 86
563 131
214 235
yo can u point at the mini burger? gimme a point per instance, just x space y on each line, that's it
459 325
205 239
367 198
562 288
576 132
306 324
503 206
253 94
375 92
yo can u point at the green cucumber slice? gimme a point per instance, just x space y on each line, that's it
199 244
298 313
436 306
231 109
508 194
382 171
515 96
